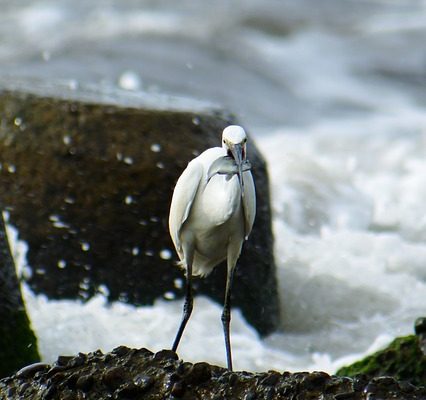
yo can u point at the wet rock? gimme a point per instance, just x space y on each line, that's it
271 379
178 389
315 380
143 382
121 351
345 396
63 360
114 377
84 383
199 373
128 391
18 344
137 374
420 326
166 355
88 185
31 370
77 361
420 330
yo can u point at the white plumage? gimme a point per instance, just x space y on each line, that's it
212 212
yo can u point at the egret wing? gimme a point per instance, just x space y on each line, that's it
183 197
249 203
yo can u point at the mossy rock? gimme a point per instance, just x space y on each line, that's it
402 359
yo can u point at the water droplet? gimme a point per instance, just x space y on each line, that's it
83 294
62 264
169 296
85 246
156 148
66 139
69 200
135 251
11 168
85 284
129 80
178 282
128 200
196 121
73 85
57 223
6 216
17 121
166 254
103 290
128 160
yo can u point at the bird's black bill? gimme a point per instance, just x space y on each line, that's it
237 154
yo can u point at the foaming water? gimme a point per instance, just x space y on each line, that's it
349 226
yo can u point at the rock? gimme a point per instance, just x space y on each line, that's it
403 360
88 185
140 374
420 331
18 344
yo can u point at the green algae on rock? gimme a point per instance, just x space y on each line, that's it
402 359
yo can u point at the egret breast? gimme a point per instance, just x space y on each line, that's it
221 199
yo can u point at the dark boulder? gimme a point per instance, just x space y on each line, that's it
18 345
88 185
140 374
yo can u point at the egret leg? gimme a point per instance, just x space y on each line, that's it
226 316
187 306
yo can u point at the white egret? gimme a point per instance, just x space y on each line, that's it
212 212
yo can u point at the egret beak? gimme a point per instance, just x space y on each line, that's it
237 154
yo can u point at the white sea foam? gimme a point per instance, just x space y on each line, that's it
349 226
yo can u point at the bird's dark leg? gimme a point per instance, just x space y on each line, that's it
226 316
187 307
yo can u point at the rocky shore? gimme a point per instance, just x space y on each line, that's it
140 374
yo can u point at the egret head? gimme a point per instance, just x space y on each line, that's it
234 135
234 140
